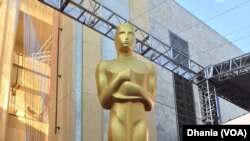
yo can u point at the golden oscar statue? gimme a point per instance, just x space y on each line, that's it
126 86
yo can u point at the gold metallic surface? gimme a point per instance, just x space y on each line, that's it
126 86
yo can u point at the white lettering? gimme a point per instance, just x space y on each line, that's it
226 132
240 133
194 132
233 132
189 132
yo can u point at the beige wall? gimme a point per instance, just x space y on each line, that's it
92 113
27 106
68 64
32 76
92 124
64 109
53 90
7 38
17 129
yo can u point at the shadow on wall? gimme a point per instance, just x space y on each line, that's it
23 129
2 111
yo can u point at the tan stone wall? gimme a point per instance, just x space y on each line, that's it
7 38
92 113
91 124
53 90
14 120
64 109
28 95
17 126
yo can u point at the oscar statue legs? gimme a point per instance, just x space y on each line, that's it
131 128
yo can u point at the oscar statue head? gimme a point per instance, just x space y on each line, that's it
124 38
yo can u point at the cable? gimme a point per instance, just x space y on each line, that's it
222 13
198 9
236 30
211 18
168 44
130 20
188 42
230 42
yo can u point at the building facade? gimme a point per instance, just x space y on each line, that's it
48 64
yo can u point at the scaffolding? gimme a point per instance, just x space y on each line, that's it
208 102
230 68
44 53
104 21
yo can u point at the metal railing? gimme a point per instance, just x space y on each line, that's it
44 54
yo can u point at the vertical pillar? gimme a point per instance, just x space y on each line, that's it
78 79
70 84
209 102
54 78
3 14
9 11
92 111
217 106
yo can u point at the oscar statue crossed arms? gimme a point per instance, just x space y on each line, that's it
126 86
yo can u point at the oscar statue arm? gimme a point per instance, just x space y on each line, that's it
149 92
152 80
106 89
132 90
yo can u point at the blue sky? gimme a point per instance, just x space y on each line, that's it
230 18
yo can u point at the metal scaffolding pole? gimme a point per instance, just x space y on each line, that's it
208 103
104 21
231 68
208 93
